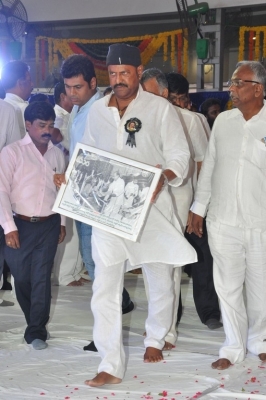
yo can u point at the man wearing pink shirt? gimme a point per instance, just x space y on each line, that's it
32 230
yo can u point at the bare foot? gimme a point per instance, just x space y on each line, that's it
222 363
153 355
262 356
103 379
75 283
168 346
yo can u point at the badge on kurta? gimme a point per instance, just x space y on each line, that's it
132 126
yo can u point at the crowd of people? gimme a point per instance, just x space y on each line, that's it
207 211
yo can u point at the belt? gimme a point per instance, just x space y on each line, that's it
32 219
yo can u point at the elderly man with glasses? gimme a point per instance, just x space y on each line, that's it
232 185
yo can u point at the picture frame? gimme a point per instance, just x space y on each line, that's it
107 191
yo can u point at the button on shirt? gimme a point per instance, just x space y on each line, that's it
26 181
77 122
232 180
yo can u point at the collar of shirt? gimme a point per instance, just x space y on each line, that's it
15 98
60 110
27 140
108 97
85 108
236 112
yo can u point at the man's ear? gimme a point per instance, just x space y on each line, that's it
165 93
258 90
93 83
27 125
62 97
140 71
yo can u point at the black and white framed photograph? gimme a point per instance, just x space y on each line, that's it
107 191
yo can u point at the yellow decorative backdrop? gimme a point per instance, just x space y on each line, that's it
174 47
252 49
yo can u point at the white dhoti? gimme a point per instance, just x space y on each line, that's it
239 256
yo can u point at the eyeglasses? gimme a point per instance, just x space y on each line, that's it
174 97
239 82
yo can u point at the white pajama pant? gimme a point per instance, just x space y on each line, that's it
171 335
182 197
239 256
106 307
68 262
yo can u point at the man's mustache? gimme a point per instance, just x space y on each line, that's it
120 85
46 135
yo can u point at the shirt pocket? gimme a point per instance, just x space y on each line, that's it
258 154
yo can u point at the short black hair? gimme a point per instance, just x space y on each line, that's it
208 103
78 64
39 110
58 89
38 97
12 72
177 83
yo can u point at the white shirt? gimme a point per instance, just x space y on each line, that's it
9 131
61 122
197 140
205 124
232 180
20 105
160 140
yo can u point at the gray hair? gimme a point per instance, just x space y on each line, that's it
258 70
158 75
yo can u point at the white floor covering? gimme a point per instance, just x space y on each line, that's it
59 371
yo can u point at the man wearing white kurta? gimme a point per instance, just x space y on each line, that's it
67 262
160 140
154 81
232 183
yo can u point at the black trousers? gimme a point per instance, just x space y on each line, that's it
205 297
31 266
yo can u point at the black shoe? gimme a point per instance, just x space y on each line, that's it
213 323
90 347
129 308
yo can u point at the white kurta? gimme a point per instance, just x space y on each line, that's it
182 195
161 140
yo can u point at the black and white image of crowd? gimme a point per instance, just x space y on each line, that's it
109 187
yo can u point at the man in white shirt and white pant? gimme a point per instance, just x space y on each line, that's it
232 186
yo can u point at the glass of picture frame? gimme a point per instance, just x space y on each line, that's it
107 191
